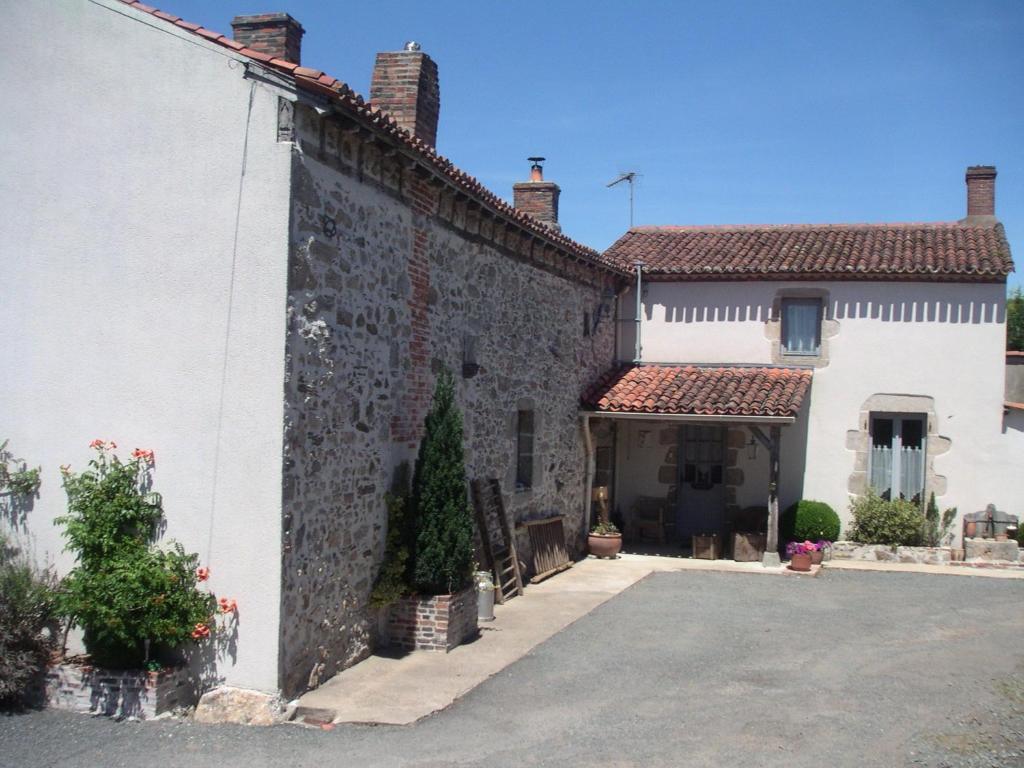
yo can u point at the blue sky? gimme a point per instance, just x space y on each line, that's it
733 112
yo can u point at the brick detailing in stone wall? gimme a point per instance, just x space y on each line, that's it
119 693
407 421
437 623
405 85
275 34
981 190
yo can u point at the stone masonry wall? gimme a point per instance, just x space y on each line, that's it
392 276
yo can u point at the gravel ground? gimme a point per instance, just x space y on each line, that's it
847 669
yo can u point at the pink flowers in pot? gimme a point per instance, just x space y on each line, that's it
802 548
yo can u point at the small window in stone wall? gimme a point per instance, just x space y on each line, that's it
524 450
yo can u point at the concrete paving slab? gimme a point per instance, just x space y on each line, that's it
401 690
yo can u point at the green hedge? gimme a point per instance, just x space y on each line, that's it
809 521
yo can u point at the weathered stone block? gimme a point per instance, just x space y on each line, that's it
990 549
239 706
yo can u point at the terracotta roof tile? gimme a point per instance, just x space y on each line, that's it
701 390
954 251
315 80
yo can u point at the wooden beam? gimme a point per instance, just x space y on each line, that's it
771 554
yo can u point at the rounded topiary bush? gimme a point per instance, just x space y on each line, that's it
809 521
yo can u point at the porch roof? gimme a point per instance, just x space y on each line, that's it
758 392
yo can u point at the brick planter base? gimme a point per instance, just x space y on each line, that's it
437 623
117 692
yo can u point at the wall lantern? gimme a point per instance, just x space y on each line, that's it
752 448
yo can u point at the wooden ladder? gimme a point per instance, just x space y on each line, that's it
503 561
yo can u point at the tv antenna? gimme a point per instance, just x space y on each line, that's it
629 176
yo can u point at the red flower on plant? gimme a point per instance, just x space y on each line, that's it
97 443
227 605
111 444
202 574
201 631
145 454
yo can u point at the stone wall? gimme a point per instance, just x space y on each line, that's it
118 693
392 276
438 623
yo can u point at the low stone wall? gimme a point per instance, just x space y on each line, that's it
118 693
851 550
437 623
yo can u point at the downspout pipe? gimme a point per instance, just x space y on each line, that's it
588 443
637 357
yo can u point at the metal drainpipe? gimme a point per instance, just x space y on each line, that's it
589 445
639 309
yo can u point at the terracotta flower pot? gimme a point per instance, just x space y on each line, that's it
817 556
970 529
604 544
800 562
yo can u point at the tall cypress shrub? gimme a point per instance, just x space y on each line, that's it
443 558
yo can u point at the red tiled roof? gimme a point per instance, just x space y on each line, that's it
701 390
314 80
950 251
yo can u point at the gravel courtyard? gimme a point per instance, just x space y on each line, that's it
685 668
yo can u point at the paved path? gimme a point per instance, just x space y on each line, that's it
684 668
399 690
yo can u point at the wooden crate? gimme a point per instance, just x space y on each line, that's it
748 547
707 546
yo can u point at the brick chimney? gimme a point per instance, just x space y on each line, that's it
537 197
405 85
981 191
275 34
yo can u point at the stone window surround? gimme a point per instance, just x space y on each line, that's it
773 326
859 440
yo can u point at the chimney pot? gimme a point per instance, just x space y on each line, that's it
275 34
981 191
405 86
536 197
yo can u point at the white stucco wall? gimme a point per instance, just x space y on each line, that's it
123 315
938 340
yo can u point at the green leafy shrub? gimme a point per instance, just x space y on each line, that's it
936 530
392 580
877 521
126 594
443 556
20 482
809 521
27 623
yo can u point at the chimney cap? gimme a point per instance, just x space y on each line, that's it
981 170
412 45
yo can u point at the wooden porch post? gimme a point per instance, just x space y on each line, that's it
771 553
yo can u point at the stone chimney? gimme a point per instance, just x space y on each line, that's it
405 85
275 34
981 191
537 197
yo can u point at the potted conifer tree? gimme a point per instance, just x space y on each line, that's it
442 613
